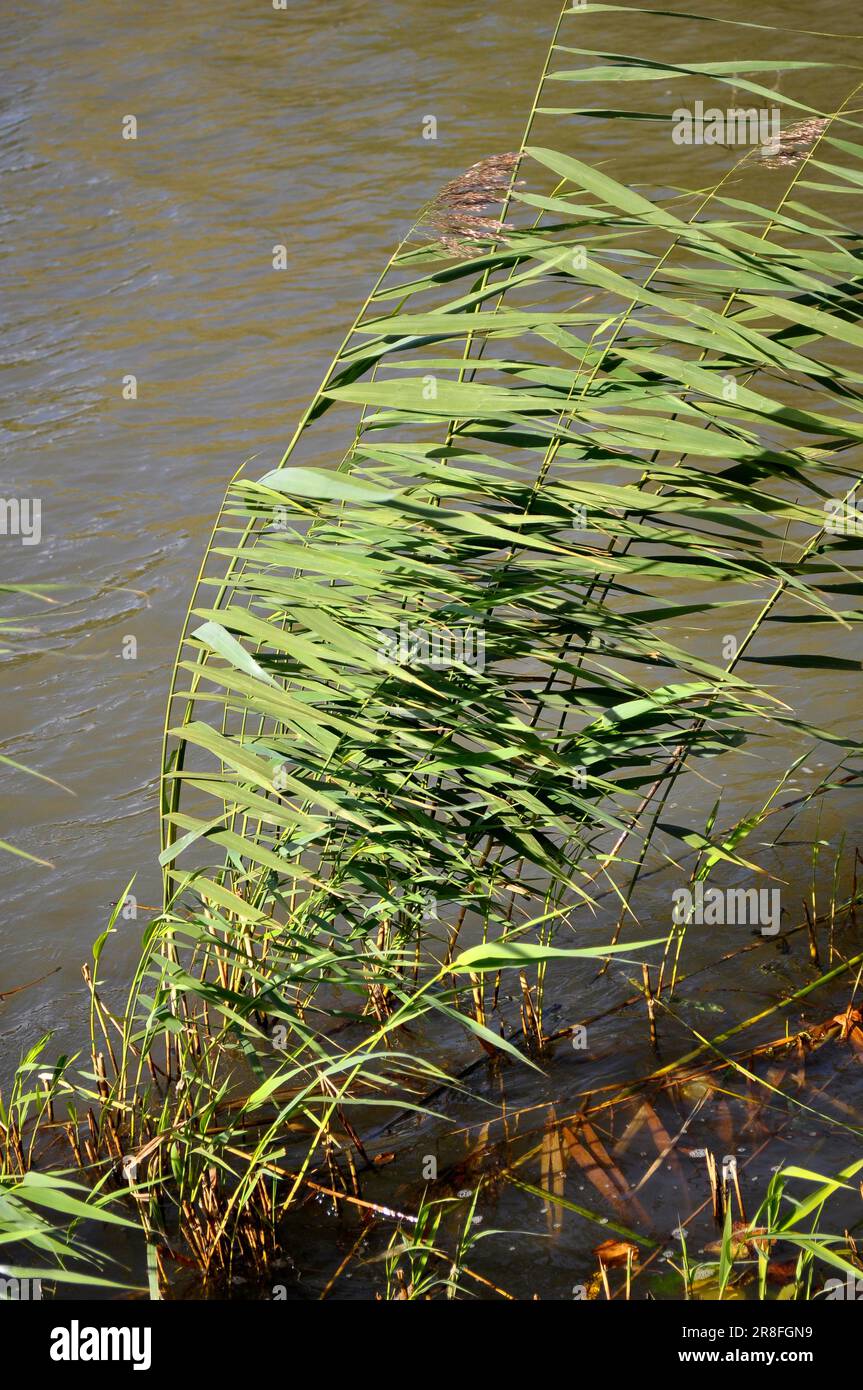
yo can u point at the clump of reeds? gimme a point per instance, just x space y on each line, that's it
456 214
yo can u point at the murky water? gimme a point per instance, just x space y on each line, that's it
152 258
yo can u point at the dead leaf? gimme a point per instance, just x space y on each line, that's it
782 1271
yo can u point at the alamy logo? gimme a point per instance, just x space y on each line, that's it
77 1343
843 517
736 126
710 907
456 647
20 1290
21 516
847 1288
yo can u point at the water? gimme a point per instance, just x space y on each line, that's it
153 258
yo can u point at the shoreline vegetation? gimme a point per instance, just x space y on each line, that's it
578 418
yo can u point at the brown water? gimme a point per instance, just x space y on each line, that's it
153 257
